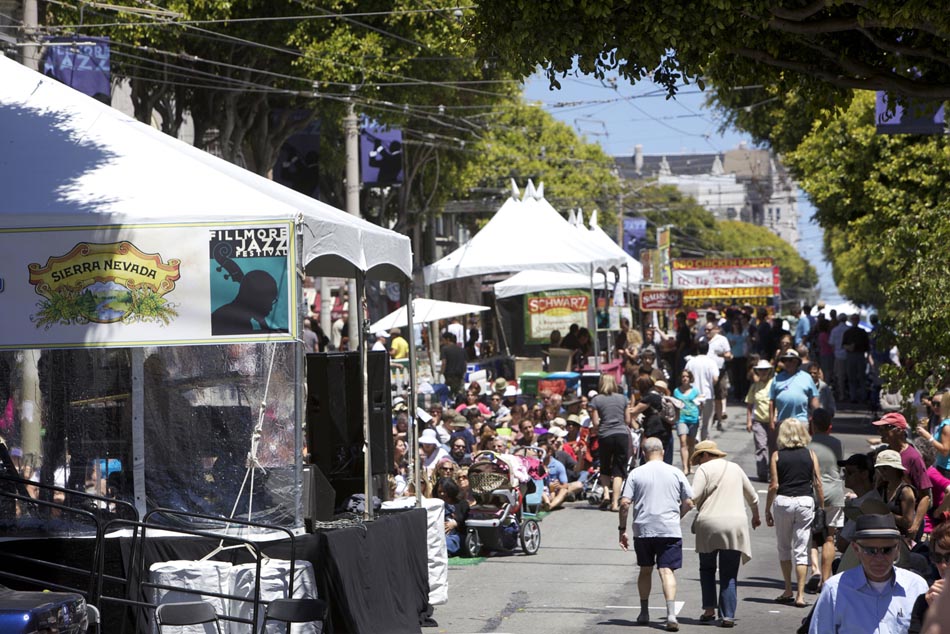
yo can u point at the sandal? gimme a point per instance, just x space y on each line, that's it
803 604
786 599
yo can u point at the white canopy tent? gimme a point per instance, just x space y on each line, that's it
425 311
537 281
525 234
75 160
69 163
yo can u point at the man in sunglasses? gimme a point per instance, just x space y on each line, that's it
875 596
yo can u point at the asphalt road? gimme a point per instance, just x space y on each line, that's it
580 580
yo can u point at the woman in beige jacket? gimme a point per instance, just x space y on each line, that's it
722 492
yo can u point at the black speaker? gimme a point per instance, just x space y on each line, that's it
335 413
319 497
589 381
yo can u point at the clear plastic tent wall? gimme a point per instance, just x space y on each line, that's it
201 407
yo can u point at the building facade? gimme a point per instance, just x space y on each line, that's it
744 184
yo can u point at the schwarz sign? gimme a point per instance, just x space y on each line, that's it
665 299
553 310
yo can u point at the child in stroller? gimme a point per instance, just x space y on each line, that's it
507 490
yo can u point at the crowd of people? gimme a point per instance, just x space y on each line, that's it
876 521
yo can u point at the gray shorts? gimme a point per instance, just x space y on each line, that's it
683 429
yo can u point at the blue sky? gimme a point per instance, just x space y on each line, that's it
618 116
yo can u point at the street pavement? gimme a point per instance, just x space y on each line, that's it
580 580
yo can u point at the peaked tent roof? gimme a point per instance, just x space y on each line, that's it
525 234
68 160
536 281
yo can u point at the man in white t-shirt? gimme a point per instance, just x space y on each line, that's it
660 495
720 351
705 374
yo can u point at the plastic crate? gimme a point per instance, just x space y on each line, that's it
572 380
528 381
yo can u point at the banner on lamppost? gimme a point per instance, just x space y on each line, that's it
634 236
915 117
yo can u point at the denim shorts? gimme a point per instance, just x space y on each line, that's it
664 552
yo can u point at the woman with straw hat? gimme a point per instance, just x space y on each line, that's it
721 494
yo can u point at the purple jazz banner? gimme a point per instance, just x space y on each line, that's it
84 66
298 163
917 117
380 156
634 236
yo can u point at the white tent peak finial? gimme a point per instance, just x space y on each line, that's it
593 219
528 190
571 218
539 192
515 193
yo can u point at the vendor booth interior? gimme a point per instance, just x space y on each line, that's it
152 381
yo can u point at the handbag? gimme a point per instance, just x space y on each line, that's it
819 524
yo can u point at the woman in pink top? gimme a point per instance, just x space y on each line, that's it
941 485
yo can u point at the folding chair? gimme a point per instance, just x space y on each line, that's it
191 613
92 619
294 611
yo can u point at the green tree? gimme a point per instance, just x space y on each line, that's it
882 200
897 47
525 142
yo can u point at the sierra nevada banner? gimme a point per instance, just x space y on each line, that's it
147 285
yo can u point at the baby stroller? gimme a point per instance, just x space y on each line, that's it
507 490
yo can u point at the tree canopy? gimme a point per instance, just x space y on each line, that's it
882 200
524 141
900 47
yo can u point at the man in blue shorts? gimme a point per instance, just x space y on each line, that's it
660 495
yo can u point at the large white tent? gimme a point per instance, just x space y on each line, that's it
73 166
525 234
73 161
548 280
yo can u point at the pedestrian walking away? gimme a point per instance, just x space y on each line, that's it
721 494
660 495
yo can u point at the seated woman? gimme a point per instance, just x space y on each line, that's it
455 511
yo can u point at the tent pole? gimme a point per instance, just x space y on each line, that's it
501 329
301 374
138 429
367 445
407 292
592 320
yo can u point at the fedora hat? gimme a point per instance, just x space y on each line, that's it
876 526
500 385
706 446
762 365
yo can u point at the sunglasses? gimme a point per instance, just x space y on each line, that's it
877 550
940 558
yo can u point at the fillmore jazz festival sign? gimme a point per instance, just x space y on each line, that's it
147 285
553 310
